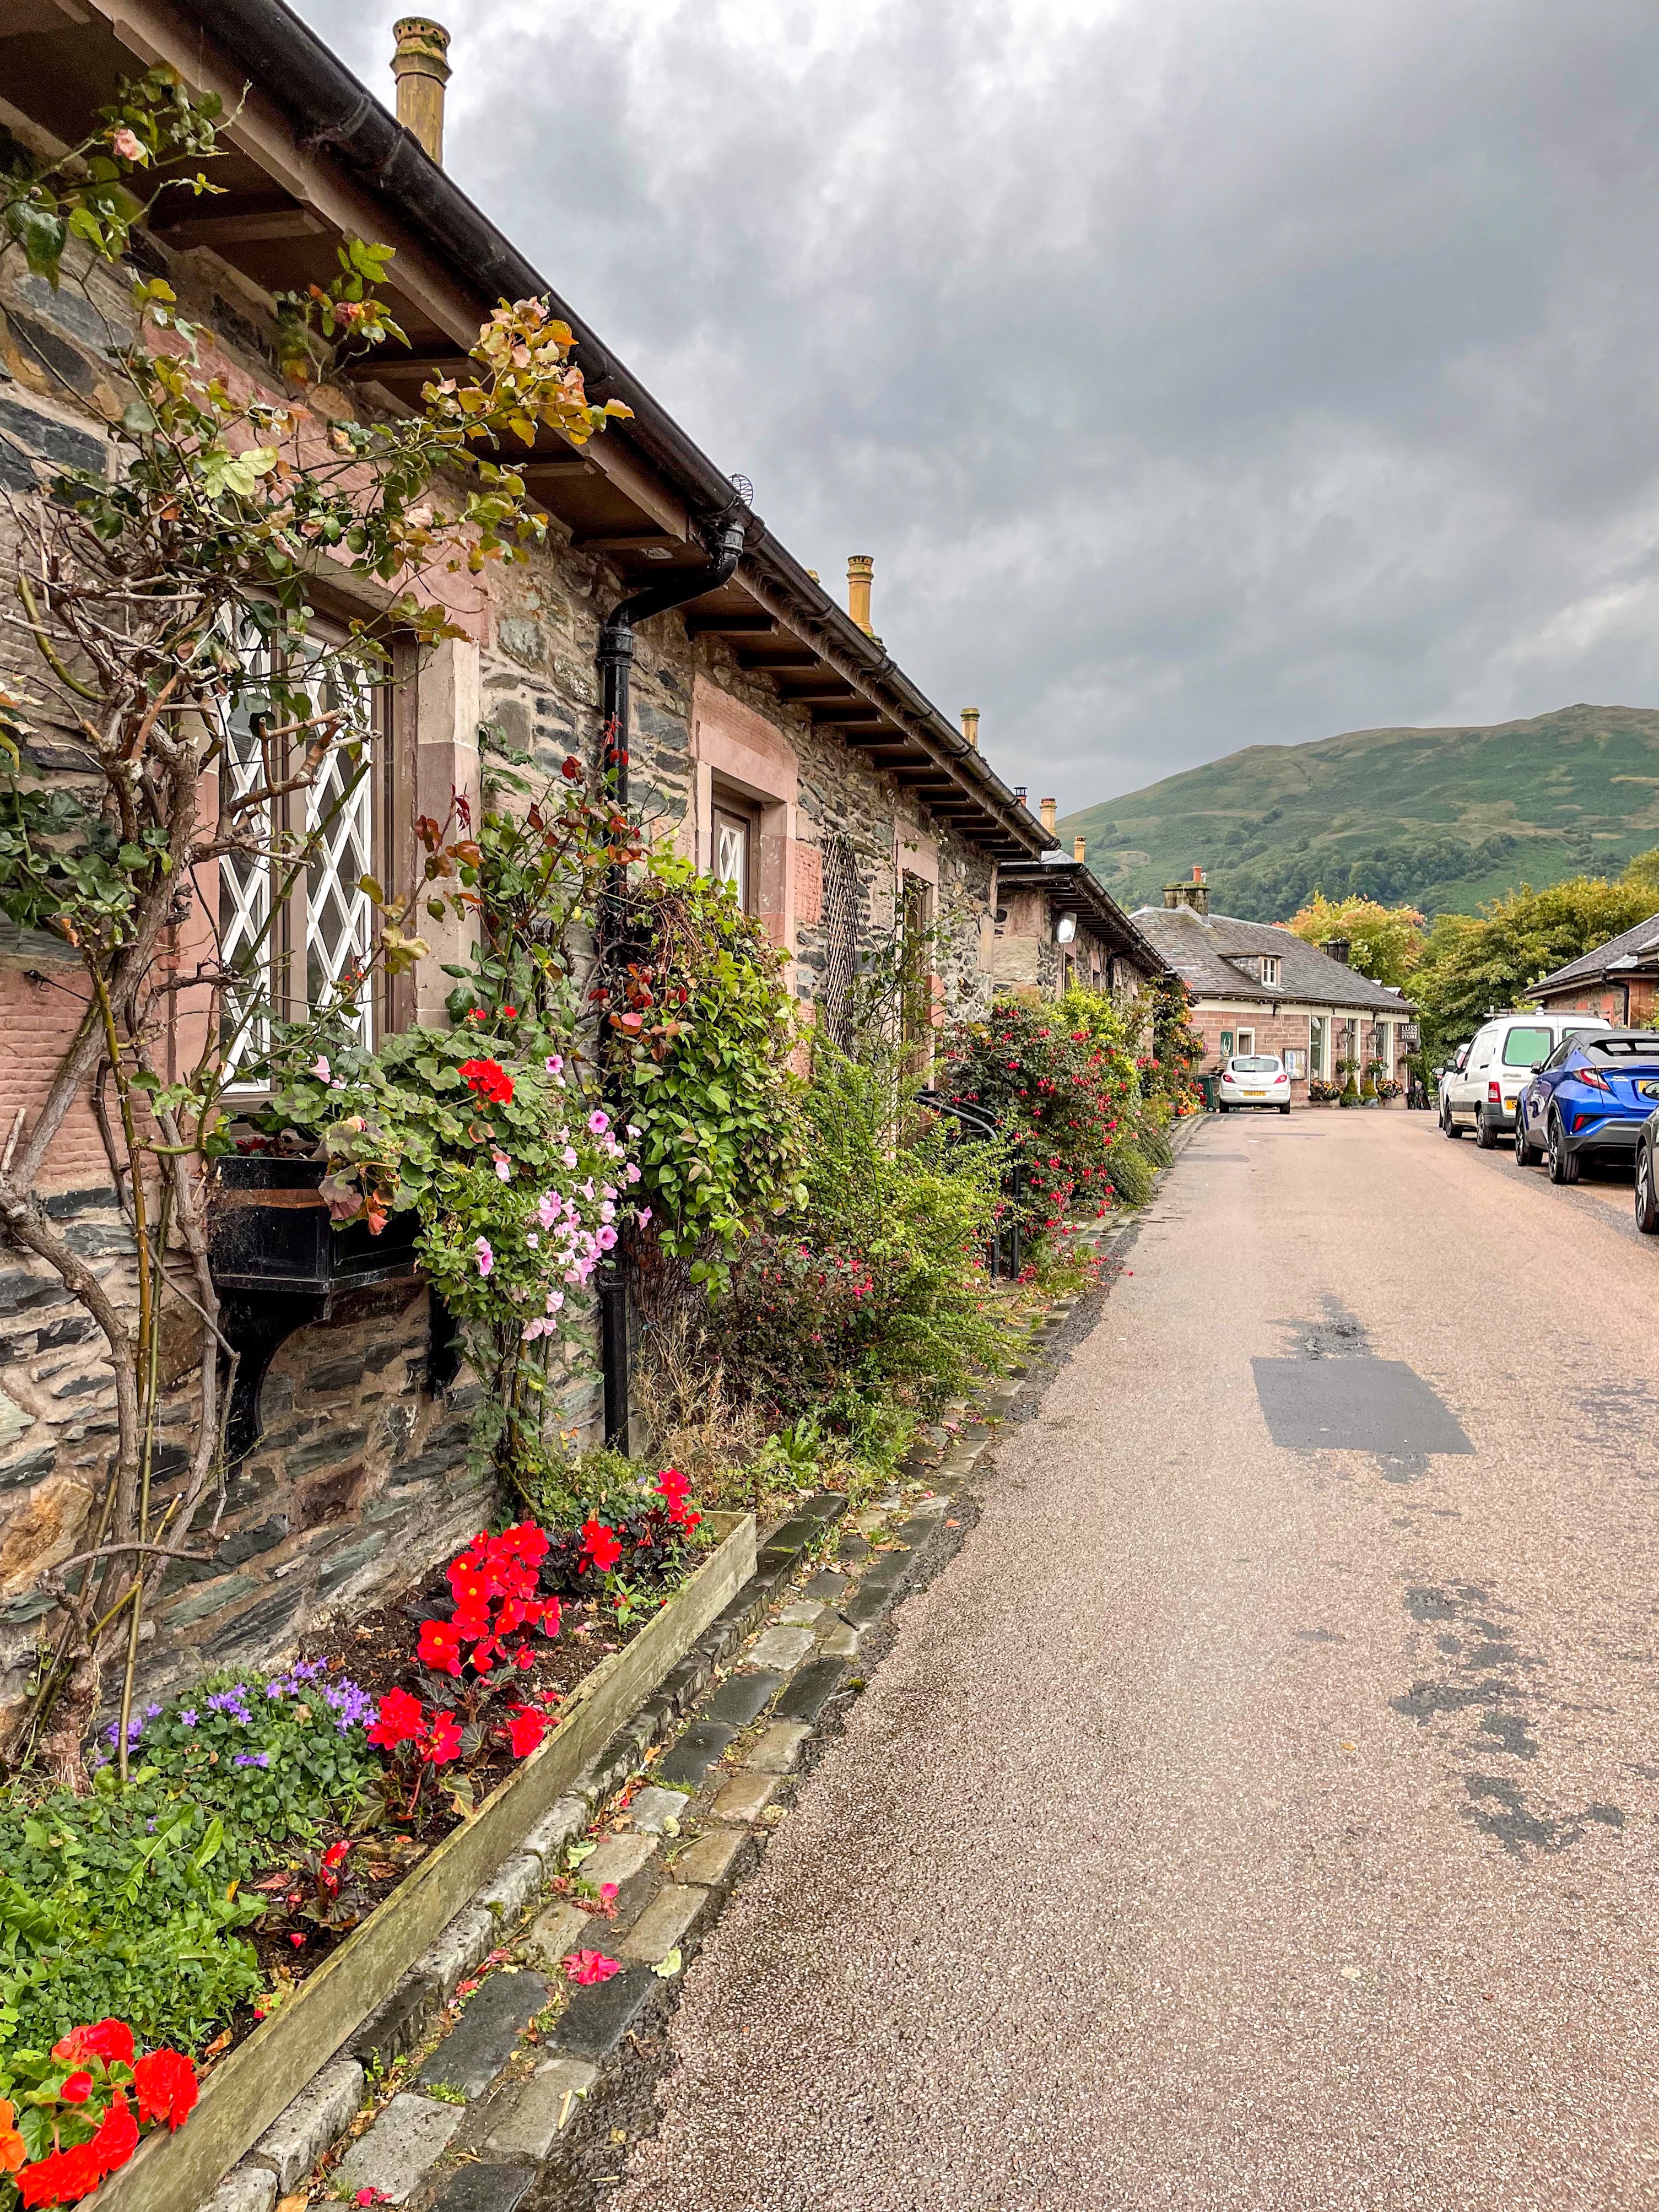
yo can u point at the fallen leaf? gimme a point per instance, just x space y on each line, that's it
219 2043
666 1967
619 2134
294 2203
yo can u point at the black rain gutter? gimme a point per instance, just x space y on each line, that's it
339 117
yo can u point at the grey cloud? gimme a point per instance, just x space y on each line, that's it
1200 373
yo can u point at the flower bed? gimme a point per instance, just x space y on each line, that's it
264 1819
247 2089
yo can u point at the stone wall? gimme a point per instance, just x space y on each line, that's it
360 1480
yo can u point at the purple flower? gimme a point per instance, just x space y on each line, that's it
151 1712
253 1759
188 1717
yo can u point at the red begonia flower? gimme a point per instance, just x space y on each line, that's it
165 2082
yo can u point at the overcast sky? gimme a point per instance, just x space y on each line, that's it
1200 373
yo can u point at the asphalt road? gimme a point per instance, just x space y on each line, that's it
1237 1824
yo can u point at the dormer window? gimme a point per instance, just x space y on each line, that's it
1270 969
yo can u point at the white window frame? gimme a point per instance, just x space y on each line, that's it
352 844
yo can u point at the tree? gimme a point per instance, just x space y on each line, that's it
1386 941
171 606
1474 964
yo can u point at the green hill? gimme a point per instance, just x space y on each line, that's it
1442 818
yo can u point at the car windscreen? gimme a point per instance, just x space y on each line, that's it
1525 1047
1259 1065
1621 1047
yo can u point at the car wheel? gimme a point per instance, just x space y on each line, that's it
1526 1154
1485 1135
1647 1199
1564 1165
1448 1125
1284 1109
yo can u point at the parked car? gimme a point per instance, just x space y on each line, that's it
1502 1055
1647 1176
1595 1094
1254 1079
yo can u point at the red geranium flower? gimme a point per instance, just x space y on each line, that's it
489 1079
108 2039
445 1741
400 1720
165 2082
117 2137
61 2178
599 1546
526 1730
76 2088
439 1647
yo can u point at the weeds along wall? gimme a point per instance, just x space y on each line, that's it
361 1479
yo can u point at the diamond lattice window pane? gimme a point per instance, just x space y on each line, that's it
339 916
245 881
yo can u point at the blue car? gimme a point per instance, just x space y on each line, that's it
1594 1094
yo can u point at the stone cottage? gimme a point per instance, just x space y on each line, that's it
1257 987
1619 980
1058 928
776 740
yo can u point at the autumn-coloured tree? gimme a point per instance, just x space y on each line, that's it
1385 942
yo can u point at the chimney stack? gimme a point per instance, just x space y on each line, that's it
1079 850
1046 808
421 71
971 726
1337 948
861 568
1195 895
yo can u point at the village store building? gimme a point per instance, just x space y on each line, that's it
1256 988
775 740
1619 980
1058 928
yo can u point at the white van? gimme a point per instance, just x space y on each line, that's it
1482 1095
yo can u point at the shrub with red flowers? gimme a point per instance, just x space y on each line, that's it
74 2114
1059 1081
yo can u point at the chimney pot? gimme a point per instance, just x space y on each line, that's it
861 569
420 66
1046 808
1019 794
1079 850
971 726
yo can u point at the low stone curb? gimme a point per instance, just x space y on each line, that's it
740 1710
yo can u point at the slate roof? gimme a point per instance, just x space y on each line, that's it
1640 943
1197 945
1074 885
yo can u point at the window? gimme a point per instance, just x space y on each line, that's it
1270 969
840 927
304 945
732 849
1246 1041
1318 1045
916 1005
1525 1047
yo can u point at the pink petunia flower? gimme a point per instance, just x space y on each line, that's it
483 1255
598 1122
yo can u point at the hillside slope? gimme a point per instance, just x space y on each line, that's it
1443 819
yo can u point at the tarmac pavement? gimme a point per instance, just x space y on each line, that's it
1241 1823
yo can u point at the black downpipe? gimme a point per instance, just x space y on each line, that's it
615 661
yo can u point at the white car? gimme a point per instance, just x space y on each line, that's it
1480 1095
1254 1079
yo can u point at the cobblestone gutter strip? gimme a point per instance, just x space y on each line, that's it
486 2074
